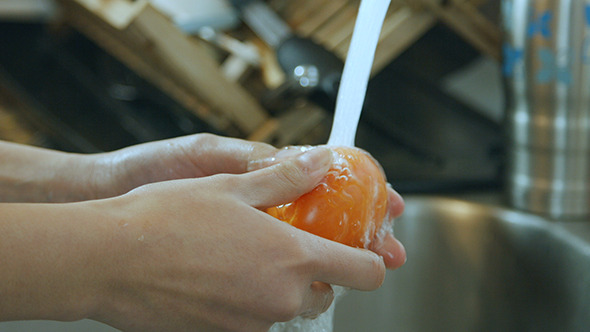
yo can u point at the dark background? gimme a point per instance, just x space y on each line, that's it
83 100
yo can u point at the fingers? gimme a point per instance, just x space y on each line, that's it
395 203
278 157
392 251
384 243
317 300
339 264
336 263
216 154
286 181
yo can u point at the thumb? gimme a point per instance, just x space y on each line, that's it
286 181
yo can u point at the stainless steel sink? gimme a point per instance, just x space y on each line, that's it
473 267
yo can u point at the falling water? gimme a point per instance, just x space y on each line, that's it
349 105
357 71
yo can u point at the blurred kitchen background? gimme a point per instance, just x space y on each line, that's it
96 75
92 75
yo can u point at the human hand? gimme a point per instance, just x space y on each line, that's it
117 172
384 243
203 155
199 254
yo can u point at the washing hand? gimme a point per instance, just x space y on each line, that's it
173 237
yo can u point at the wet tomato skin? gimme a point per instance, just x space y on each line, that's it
349 204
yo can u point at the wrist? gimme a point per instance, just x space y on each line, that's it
120 249
52 262
75 178
92 176
80 177
31 174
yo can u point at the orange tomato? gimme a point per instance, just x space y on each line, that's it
349 204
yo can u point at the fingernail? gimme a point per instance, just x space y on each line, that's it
289 152
316 161
282 155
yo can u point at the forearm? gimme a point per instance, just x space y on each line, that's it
30 174
49 262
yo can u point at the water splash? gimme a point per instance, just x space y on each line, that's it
357 71
324 323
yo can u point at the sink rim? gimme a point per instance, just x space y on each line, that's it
574 232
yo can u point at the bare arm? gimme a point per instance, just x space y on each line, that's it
30 174
48 261
177 255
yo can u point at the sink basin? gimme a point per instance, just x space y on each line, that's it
473 267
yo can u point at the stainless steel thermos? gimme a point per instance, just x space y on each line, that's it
546 66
